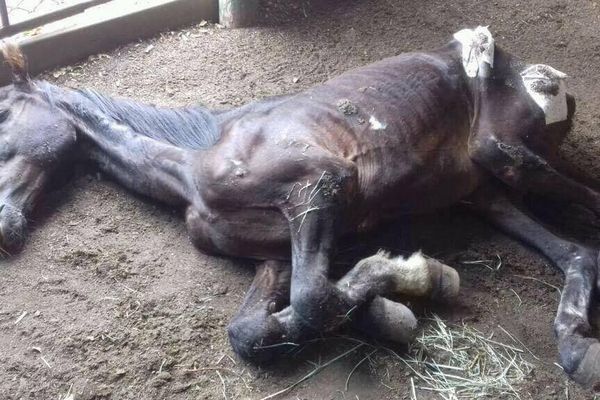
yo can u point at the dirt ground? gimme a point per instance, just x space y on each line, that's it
109 300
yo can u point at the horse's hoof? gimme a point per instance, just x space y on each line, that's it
257 340
587 372
388 320
445 282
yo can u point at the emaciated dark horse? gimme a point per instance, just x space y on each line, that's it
282 179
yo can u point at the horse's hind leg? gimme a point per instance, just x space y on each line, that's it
579 354
382 275
415 276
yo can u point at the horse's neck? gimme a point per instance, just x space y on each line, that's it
139 162
188 127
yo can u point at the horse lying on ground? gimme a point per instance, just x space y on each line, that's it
282 179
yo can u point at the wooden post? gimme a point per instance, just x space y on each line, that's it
4 14
238 13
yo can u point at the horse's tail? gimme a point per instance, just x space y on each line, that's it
16 61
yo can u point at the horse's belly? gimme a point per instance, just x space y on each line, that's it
414 186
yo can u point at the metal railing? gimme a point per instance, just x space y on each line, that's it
8 29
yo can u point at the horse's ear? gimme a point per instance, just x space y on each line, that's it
16 61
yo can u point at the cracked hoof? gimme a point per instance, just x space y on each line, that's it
587 372
388 320
445 282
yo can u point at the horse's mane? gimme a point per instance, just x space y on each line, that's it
192 127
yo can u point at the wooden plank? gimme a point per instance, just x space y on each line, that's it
4 14
8 29
238 13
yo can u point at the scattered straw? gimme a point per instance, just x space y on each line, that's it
454 362
70 395
531 278
413 392
518 297
223 383
45 362
559 366
23 315
365 358
518 341
486 263
313 372
459 362
5 252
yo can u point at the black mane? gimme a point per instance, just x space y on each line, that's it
192 127
189 127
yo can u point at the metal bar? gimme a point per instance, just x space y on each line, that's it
4 14
8 29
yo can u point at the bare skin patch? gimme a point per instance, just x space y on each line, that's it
376 124
477 51
547 87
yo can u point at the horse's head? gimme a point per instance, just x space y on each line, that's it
34 137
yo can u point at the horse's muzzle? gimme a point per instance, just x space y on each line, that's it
13 230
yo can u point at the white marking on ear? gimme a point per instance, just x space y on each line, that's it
376 125
547 87
477 51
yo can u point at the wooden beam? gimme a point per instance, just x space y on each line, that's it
238 13
4 14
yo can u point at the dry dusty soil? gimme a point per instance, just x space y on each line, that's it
120 305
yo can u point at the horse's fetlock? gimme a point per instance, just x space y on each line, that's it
315 304
578 256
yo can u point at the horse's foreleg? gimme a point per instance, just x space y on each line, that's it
579 354
521 168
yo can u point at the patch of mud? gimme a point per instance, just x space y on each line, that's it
346 107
